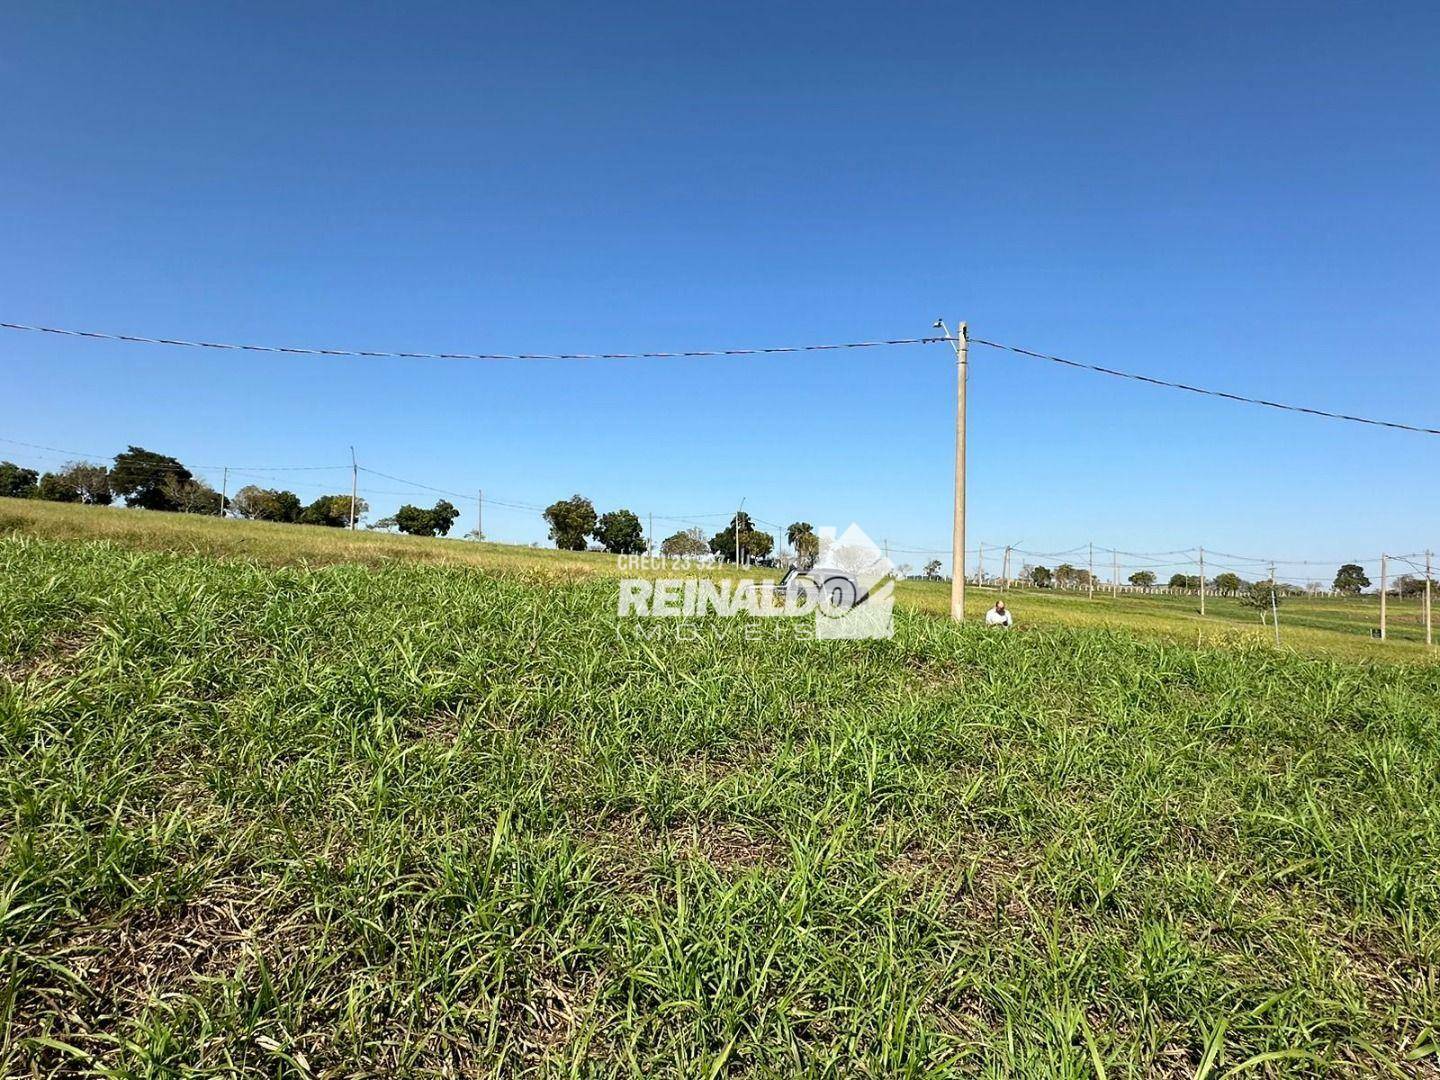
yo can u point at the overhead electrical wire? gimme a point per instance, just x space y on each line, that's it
1244 399
294 350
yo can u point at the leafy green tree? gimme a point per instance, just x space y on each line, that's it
1143 578
753 543
1228 582
54 487
1351 578
147 479
932 569
191 496
620 533
433 522
1408 585
332 511
1262 595
17 482
802 538
687 544
268 504
1041 576
571 521
92 481
1184 581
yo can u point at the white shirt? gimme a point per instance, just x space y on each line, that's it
997 618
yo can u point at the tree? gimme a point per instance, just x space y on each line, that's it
1263 595
142 476
753 544
16 482
268 504
190 496
687 544
1184 581
1351 578
1228 582
802 538
932 568
571 521
332 511
1041 576
433 522
55 488
1408 585
1143 578
620 533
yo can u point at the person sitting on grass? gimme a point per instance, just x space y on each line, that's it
998 616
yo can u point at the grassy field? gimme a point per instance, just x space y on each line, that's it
1317 626
420 808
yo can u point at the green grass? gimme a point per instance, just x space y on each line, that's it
1317 626
433 818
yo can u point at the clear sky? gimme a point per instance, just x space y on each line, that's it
1241 196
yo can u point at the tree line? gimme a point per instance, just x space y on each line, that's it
148 480
574 522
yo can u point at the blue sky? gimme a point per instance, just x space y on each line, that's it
1239 196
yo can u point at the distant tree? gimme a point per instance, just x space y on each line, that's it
191 495
753 544
17 482
687 544
1261 596
1184 581
571 521
1041 576
475 534
620 532
268 504
1228 582
1066 576
1143 578
54 487
1408 585
802 538
1351 578
332 511
420 522
932 568
147 479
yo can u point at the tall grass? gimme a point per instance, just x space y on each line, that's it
428 819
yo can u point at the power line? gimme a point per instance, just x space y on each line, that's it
202 465
379 354
1201 390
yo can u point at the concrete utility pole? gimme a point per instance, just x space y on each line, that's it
1202 581
1427 598
224 489
1114 574
980 567
1005 570
1384 572
480 514
1090 584
738 512
354 486
961 341
650 536
1274 605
